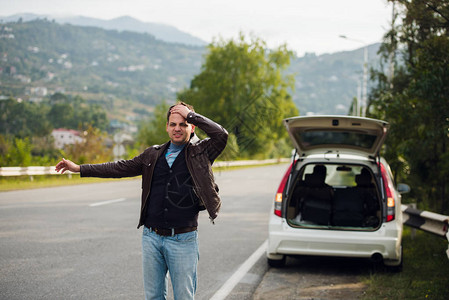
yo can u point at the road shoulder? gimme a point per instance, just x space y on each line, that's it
313 278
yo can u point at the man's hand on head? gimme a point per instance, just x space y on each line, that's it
180 109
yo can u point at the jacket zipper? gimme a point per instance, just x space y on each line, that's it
196 184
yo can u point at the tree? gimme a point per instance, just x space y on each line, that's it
242 87
23 119
58 97
61 115
15 152
75 112
416 99
92 149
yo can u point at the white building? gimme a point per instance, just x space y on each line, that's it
64 137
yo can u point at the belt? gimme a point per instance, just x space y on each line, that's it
171 231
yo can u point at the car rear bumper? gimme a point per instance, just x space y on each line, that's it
286 240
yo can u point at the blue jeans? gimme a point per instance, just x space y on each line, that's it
176 254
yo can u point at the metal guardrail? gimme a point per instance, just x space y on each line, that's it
238 163
30 171
427 221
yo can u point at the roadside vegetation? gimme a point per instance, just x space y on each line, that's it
424 274
26 127
412 93
414 99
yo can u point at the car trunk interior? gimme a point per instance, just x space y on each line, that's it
334 196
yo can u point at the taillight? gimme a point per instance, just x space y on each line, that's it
390 198
278 198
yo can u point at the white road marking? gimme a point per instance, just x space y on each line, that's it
229 285
107 202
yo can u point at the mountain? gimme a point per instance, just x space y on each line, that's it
129 72
162 32
126 72
328 83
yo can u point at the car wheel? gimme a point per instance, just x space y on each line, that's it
276 263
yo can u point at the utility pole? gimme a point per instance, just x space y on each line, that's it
391 57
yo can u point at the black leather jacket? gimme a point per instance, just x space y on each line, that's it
200 154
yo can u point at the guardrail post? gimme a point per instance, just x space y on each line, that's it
413 232
447 251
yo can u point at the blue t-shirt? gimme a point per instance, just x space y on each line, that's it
172 152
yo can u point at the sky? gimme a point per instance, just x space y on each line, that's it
305 26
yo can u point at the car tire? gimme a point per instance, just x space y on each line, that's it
277 263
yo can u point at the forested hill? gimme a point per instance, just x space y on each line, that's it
103 66
327 84
130 72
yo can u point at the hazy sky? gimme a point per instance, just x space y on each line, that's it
304 25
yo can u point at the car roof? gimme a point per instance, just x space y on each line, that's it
342 134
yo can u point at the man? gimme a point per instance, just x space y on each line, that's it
177 182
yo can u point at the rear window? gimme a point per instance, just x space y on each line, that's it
328 137
337 175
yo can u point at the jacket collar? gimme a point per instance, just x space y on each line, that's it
194 139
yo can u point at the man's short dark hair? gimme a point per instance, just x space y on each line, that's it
179 102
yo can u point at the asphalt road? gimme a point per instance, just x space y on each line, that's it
81 242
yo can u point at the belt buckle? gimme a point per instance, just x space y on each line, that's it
163 233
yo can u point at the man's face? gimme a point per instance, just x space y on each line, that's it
178 129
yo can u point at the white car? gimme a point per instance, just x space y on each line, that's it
338 197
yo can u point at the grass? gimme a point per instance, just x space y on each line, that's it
424 275
42 181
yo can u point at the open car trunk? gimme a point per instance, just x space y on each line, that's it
334 196
342 134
